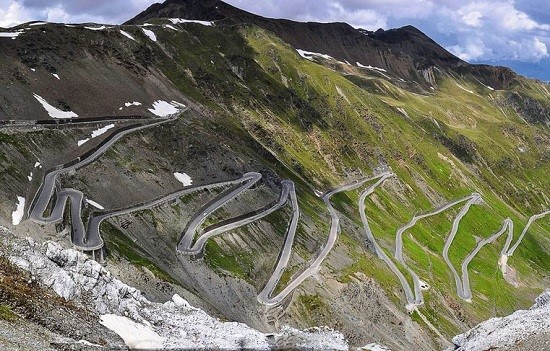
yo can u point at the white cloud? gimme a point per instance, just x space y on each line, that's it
367 19
473 18
471 50
12 13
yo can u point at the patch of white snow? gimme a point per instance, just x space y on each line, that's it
163 108
135 103
12 35
56 76
370 67
33 69
29 177
17 215
150 34
102 130
309 55
53 111
184 178
135 335
96 28
37 164
181 20
96 133
170 27
95 204
127 35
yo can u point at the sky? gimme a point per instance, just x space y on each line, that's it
514 33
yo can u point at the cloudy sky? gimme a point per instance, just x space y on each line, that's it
513 33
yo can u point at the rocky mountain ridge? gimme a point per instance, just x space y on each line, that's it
406 51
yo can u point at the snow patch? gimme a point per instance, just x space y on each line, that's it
56 76
95 204
96 133
127 35
17 215
96 28
374 347
181 20
184 178
371 67
53 111
170 27
135 103
29 177
37 164
163 108
135 335
150 34
37 24
12 35
309 55
102 130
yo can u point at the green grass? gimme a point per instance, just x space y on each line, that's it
118 242
7 314
452 143
221 261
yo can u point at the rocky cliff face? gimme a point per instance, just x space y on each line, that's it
522 330
77 279
404 51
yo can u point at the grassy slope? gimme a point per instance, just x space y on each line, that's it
455 140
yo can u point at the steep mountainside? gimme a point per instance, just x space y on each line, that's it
405 52
275 172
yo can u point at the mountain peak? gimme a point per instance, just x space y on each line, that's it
404 51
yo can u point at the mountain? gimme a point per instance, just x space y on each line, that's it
406 52
276 173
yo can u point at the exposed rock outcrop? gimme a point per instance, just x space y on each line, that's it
73 276
508 332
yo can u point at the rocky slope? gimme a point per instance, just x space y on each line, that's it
522 330
84 283
406 52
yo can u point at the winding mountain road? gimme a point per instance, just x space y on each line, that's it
474 198
51 183
325 250
89 239
419 299
186 247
